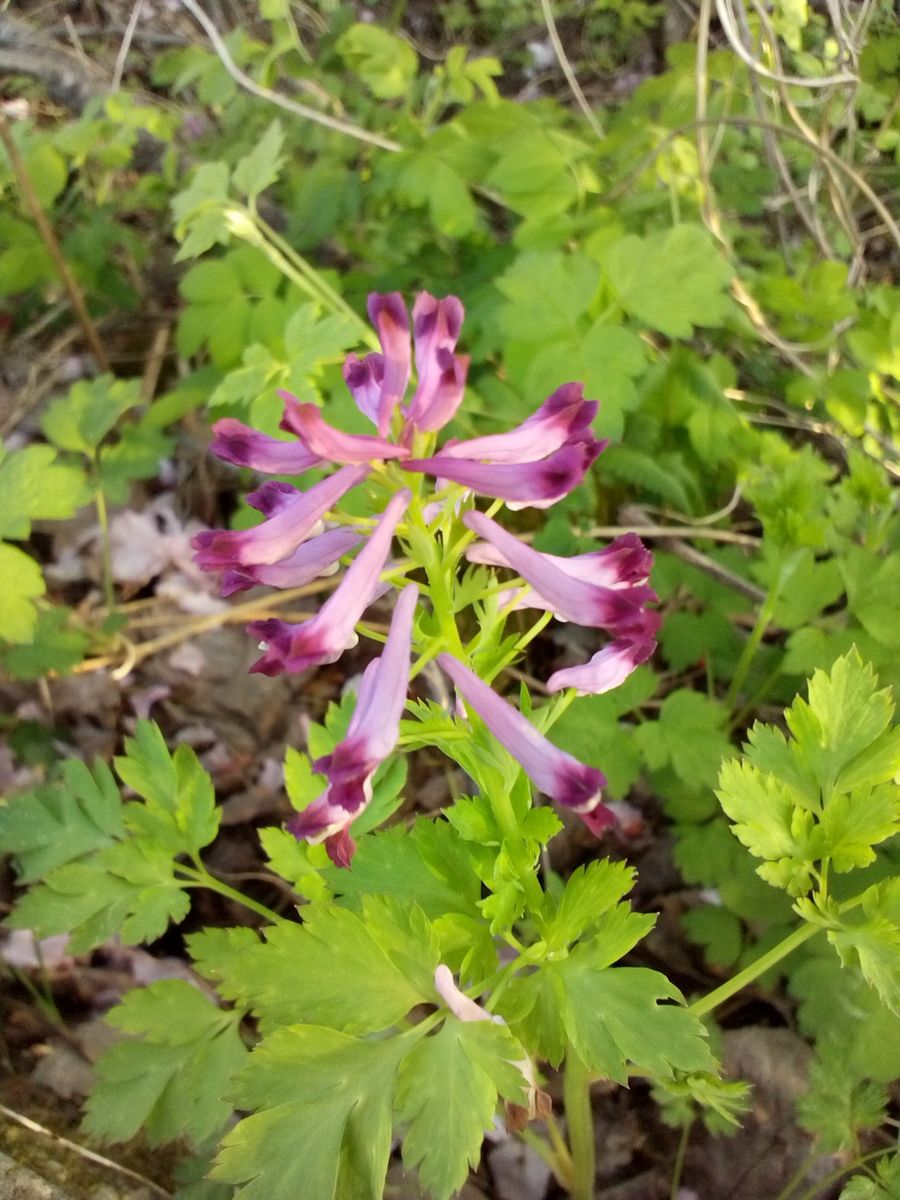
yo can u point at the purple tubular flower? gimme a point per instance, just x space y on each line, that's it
558 775
442 374
297 515
619 609
371 736
520 485
389 316
623 562
364 377
606 670
324 440
318 556
324 638
563 417
237 443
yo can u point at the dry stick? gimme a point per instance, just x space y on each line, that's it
674 542
571 79
50 241
34 1127
891 226
122 56
264 93
228 616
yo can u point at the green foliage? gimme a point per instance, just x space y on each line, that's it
117 870
319 1089
474 1061
172 1080
578 257
825 796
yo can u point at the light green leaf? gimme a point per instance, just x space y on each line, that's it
22 584
119 891
329 971
34 487
324 1129
590 892
447 1124
613 1018
261 167
427 865
874 940
81 420
180 812
62 821
671 280
688 735
547 293
385 63
844 715
172 1082
56 645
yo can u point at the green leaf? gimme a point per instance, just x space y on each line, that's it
671 280
473 1060
590 892
324 1132
180 812
385 63
331 971
199 210
22 583
845 714
173 1081
688 734
56 646
219 955
717 930
768 824
34 487
427 865
874 940
63 821
81 420
613 1018
838 1104
547 293
885 1185
261 167
296 862
120 891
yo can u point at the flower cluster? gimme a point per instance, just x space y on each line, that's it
303 536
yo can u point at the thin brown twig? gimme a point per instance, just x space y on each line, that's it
265 93
571 78
82 1151
50 240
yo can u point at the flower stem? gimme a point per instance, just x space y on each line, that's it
731 986
580 1120
200 877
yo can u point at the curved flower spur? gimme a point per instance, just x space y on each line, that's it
304 535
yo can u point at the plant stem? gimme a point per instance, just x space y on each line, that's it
751 645
50 240
200 877
731 986
580 1120
679 1159
109 590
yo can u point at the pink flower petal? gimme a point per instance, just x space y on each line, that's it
324 638
329 443
237 443
563 417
